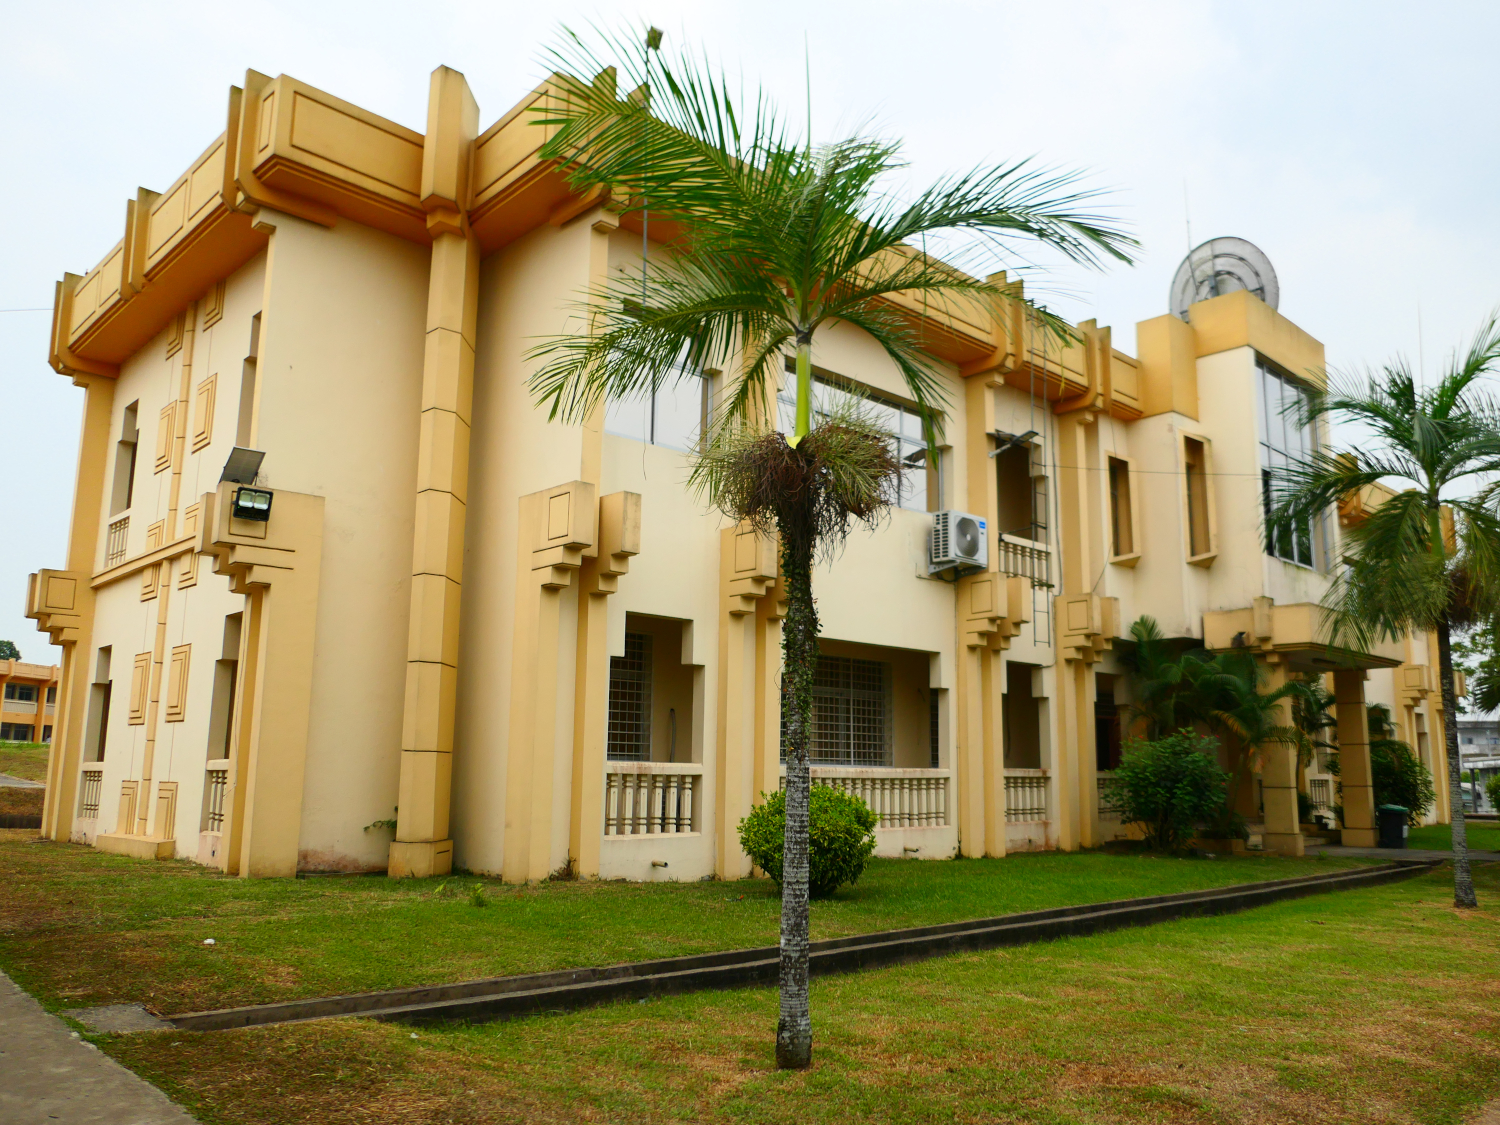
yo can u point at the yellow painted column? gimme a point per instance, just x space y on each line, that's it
769 614
968 750
278 565
555 528
1354 758
1278 783
748 570
76 637
992 774
619 541
423 845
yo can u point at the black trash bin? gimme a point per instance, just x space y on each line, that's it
1392 821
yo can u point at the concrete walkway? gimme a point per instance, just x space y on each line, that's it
9 782
1399 853
48 1076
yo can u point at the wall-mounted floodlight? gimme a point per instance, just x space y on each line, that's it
252 504
1004 441
243 466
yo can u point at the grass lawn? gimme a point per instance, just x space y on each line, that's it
1483 836
1378 1005
135 929
26 760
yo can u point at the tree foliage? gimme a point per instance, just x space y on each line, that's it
1427 557
841 828
1169 786
770 239
9 651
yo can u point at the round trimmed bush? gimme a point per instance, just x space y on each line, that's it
841 831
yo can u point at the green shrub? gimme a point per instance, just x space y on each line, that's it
1169 786
1400 778
1492 791
841 830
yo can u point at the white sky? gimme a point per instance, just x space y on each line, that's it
1353 142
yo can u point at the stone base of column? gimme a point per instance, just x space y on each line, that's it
1282 843
1358 837
419 859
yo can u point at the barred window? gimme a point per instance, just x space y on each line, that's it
629 733
851 704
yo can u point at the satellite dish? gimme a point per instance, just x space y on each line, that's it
1219 266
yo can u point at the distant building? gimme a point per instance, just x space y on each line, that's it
30 699
1479 752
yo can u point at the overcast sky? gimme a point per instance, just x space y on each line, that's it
1353 142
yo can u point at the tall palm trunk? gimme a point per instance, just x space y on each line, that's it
800 655
1463 881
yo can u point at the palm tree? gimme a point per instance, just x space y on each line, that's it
1222 691
772 241
1428 558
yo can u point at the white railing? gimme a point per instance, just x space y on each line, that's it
20 706
114 544
1320 792
651 798
218 786
88 798
1109 797
902 798
1023 558
1025 796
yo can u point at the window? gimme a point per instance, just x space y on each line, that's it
851 706
1121 516
244 427
1284 441
123 490
1021 499
1106 725
21 693
51 695
15 732
920 490
1200 531
98 714
629 724
673 416
46 734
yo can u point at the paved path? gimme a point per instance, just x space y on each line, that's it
50 1077
9 782
1400 853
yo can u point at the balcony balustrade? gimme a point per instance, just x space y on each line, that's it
1025 796
88 798
114 543
1025 558
901 798
217 780
651 798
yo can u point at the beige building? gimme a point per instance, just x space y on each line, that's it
529 638
29 703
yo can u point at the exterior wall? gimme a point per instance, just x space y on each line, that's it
338 407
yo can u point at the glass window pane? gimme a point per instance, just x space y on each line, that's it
679 412
913 476
630 418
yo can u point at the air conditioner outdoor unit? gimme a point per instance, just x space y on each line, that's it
958 539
